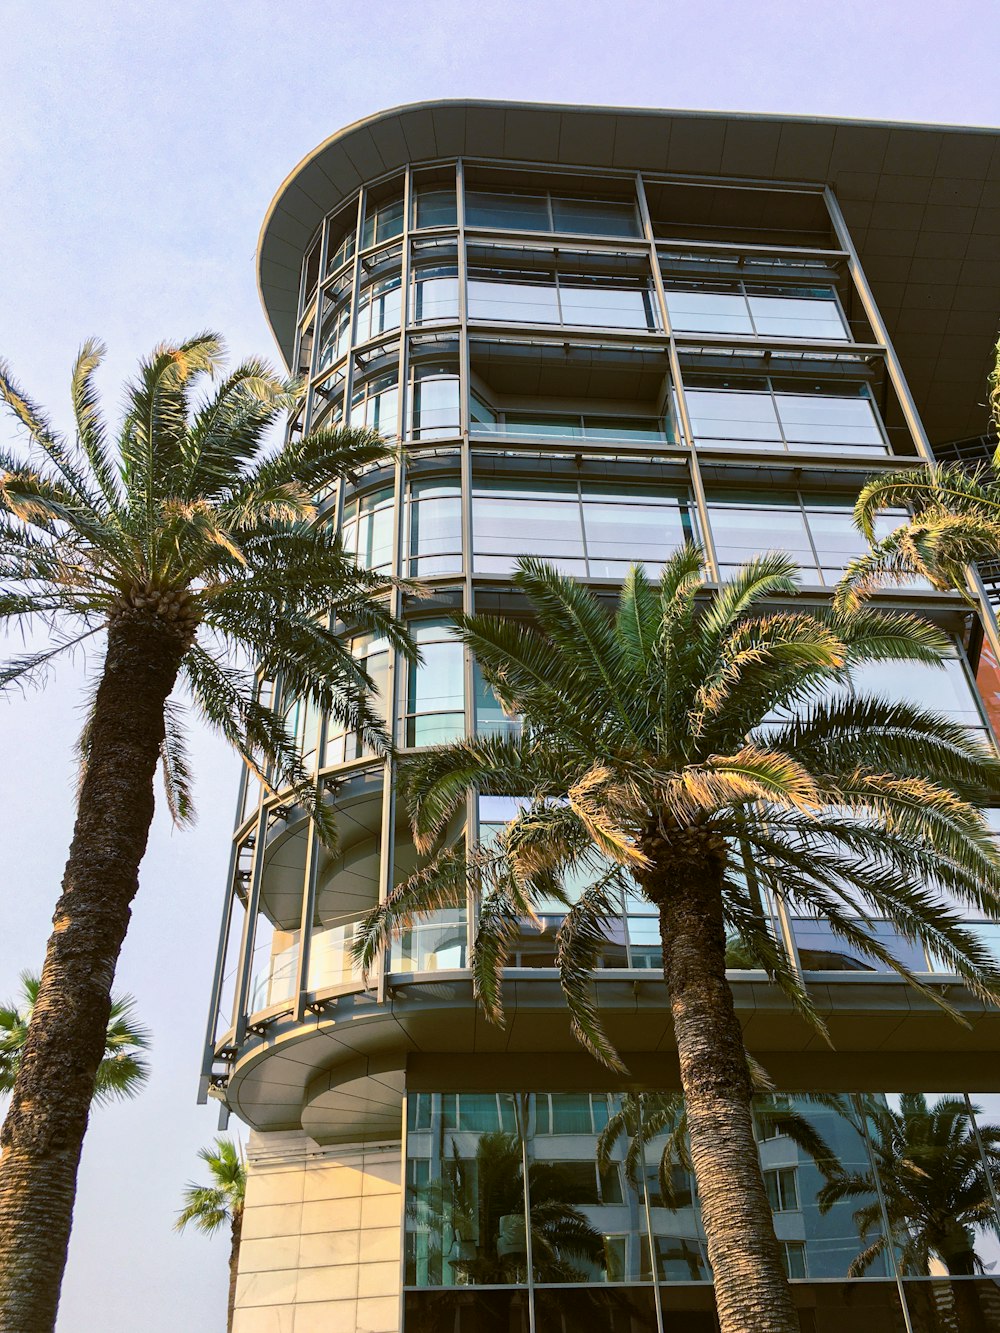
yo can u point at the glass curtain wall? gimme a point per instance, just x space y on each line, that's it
584 1204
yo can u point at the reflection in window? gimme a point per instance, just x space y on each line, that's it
378 308
335 331
761 412
375 404
564 425
561 298
516 210
366 529
817 530
435 293
342 245
435 528
589 528
373 655
435 402
435 701
748 309
382 223
435 206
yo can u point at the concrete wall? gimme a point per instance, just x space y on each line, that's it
321 1238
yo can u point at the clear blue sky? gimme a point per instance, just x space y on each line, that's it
139 148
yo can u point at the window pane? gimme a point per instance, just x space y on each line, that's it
465 1214
519 212
722 415
599 302
379 308
634 527
508 521
812 316
708 308
514 301
596 217
742 531
830 418
435 402
435 293
435 528
436 206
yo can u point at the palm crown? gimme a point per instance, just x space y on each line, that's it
954 521
210 1206
189 517
680 730
121 1074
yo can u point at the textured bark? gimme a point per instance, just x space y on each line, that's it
43 1133
236 1229
751 1290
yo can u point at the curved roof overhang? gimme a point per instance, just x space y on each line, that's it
922 203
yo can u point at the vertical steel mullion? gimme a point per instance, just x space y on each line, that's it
404 1146
355 290
809 536
248 942
883 1210
211 1030
465 481
324 242
648 1214
991 1182
677 386
309 879
520 1110
395 676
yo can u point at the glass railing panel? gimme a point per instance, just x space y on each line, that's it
437 944
331 962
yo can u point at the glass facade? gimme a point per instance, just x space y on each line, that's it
531 1204
592 374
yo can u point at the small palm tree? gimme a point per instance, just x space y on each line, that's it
210 1207
122 1073
192 549
663 745
480 1204
954 522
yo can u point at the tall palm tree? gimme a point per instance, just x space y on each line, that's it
210 1207
660 746
123 1071
192 548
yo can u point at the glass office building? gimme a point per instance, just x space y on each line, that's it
598 333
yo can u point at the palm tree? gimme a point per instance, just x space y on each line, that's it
480 1204
209 1207
122 1073
934 1180
937 1193
661 746
642 1117
192 549
954 522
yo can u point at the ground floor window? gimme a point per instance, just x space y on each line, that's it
565 1210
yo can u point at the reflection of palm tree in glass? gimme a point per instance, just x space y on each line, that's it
475 1213
935 1183
643 1117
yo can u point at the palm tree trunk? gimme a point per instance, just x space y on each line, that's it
234 1265
751 1290
43 1133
